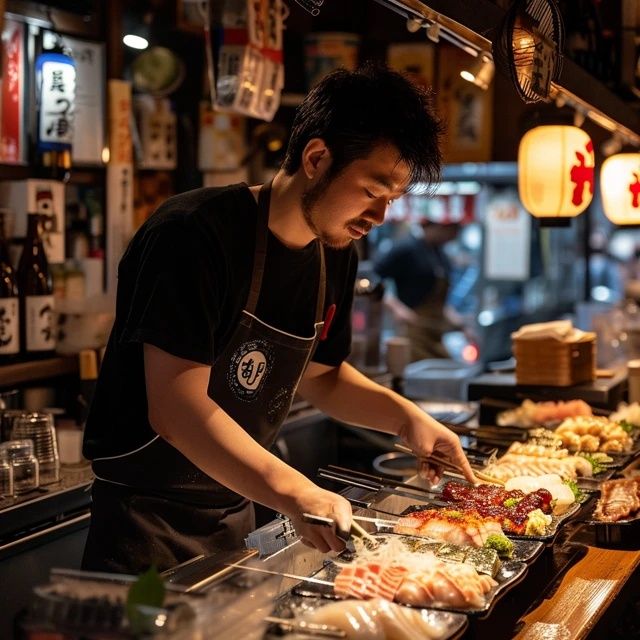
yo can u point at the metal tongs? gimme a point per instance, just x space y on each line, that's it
356 530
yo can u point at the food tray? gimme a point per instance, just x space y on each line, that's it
552 530
291 605
511 572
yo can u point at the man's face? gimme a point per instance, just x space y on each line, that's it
346 207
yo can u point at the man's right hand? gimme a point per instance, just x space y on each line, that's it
318 502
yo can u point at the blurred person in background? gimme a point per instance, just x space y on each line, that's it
420 271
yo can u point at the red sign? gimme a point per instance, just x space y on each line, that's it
634 189
582 174
11 150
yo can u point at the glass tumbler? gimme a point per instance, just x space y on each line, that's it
26 470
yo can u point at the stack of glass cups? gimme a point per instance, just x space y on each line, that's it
26 470
38 427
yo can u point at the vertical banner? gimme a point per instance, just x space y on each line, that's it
89 120
507 242
466 109
119 178
12 93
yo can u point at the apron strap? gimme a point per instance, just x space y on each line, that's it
262 228
262 233
322 285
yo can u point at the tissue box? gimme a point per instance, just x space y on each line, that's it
556 363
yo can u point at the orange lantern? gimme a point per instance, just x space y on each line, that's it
620 187
555 171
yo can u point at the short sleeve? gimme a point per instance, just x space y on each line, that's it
166 292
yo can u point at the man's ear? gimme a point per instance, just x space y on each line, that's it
316 158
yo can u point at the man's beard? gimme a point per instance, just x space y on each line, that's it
310 198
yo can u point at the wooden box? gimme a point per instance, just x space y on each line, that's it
554 363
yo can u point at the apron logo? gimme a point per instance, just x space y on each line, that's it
249 368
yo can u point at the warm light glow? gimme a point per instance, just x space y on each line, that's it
135 42
470 353
555 171
620 187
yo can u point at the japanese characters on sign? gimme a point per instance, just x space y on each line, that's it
56 75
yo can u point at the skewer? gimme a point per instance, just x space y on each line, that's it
282 574
384 482
306 628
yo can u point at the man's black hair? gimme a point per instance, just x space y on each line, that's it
355 111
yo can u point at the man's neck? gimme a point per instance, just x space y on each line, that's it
286 220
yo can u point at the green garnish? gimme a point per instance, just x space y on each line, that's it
147 591
501 544
627 426
575 489
511 502
596 464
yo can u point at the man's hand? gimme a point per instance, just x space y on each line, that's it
318 502
426 436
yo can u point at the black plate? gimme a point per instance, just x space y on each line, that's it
290 605
510 574
524 550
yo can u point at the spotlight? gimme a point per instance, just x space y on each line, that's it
135 42
433 32
414 25
481 71
579 117
611 145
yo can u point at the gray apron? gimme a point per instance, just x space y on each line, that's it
152 505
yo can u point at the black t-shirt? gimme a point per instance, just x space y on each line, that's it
182 285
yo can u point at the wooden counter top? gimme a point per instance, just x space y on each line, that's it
583 595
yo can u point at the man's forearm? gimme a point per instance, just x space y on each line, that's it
349 396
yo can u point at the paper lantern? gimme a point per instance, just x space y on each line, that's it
620 187
555 171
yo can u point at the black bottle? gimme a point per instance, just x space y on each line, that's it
9 303
35 284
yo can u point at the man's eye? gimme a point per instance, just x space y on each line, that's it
370 195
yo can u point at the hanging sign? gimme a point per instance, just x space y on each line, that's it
56 79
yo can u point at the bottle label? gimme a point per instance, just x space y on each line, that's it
39 328
9 326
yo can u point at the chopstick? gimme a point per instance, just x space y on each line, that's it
448 464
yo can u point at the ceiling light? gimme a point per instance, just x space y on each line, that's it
481 71
414 25
135 42
611 145
579 117
433 32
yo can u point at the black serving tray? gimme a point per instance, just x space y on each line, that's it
509 575
557 521
291 606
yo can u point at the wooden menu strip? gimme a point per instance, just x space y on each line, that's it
585 592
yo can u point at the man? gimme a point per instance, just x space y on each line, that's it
223 297
419 268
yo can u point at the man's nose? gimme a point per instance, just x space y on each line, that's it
376 213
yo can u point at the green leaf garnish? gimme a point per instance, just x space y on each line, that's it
148 590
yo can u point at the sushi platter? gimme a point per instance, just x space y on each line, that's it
482 540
